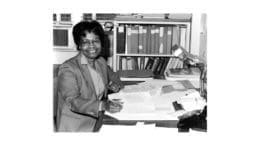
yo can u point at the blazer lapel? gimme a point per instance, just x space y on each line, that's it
103 73
86 74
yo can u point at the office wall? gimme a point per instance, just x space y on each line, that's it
60 57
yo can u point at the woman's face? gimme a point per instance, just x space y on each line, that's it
90 45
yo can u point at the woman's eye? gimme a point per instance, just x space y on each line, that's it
96 41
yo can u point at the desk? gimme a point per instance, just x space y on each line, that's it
197 123
108 120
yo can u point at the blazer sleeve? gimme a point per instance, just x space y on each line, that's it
70 92
114 77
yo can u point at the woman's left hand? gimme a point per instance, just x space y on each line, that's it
114 87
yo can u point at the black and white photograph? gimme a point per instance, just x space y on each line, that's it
128 73
129 70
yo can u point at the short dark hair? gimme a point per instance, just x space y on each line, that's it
89 26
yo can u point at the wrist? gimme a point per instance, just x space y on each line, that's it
104 105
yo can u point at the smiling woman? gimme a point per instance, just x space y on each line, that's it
83 82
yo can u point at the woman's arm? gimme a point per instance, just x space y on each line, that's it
69 91
114 82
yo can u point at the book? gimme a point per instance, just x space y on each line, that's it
149 63
135 65
120 63
121 39
142 62
159 66
155 64
163 68
129 62
124 64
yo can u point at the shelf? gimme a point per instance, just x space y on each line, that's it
157 55
182 35
152 21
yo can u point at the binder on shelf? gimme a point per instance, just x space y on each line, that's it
140 40
121 39
128 39
161 40
165 31
169 40
144 35
175 35
134 40
148 40
156 40
153 30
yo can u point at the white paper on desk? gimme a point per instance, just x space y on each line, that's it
139 102
141 106
145 101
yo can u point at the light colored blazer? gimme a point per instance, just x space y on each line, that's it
78 104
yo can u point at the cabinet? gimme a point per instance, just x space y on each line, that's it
138 41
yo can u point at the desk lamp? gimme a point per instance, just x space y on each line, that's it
193 61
